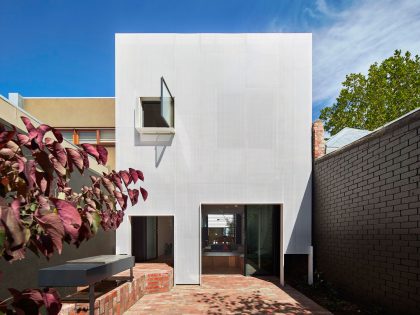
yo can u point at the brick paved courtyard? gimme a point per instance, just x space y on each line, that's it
228 294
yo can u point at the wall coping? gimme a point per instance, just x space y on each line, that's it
406 119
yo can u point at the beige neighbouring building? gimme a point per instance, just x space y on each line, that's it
80 119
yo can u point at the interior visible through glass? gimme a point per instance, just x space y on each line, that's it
240 239
222 239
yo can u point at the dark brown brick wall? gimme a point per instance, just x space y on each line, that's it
367 218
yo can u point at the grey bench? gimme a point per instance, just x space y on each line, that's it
86 272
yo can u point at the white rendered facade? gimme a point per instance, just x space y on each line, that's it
242 131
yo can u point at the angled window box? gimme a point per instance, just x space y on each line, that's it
155 121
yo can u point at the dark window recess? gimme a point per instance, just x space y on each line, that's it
152 115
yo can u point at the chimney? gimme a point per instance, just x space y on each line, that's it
16 99
318 140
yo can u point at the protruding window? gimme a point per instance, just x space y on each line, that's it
155 117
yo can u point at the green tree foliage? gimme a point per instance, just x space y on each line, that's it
390 90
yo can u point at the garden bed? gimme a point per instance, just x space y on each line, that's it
333 299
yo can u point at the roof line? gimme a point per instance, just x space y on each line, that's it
410 116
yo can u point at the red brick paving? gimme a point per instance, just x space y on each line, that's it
227 294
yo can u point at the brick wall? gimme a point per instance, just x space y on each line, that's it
367 218
318 141
148 279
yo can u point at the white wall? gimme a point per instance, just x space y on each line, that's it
243 130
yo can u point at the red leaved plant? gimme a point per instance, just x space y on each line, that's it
38 208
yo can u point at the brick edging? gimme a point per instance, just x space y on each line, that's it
120 299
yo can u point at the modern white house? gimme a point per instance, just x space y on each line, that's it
220 124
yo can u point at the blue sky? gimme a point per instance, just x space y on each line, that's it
66 48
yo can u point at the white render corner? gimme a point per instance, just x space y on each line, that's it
243 113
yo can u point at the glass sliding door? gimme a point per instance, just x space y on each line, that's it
261 240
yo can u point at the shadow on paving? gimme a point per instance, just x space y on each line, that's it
254 303
228 294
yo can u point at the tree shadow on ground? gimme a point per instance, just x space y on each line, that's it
252 303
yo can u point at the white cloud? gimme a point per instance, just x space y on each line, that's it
323 8
356 37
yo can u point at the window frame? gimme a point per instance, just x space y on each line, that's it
97 131
68 130
105 142
140 117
